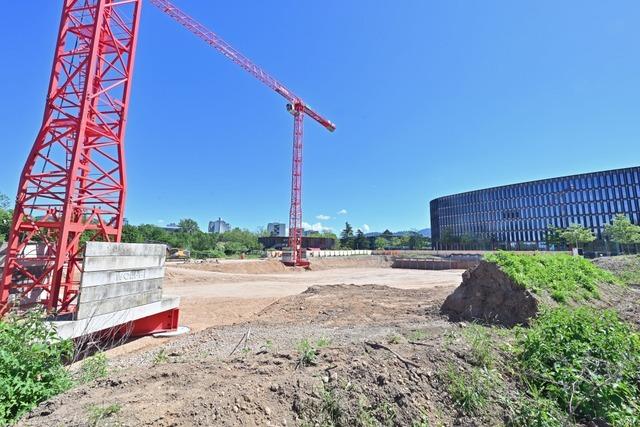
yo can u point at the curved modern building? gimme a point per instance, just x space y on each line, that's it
519 215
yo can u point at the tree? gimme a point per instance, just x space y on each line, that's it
416 241
361 241
6 217
5 203
554 236
346 237
386 234
577 234
381 243
188 226
622 231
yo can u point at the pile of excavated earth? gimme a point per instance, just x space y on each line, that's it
332 355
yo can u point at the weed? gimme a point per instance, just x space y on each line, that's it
93 368
469 392
365 415
416 335
479 339
323 342
422 422
535 410
331 407
308 353
394 339
100 413
160 357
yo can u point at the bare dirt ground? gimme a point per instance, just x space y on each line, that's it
246 367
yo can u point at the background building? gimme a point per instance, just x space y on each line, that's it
519 215
277 229
219 226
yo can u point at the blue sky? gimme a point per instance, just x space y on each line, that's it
430 98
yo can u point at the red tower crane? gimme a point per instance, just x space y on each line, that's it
73 184
296 106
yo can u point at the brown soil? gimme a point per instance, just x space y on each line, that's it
488 295
387 351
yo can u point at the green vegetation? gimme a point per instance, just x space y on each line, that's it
308 353
6 216
160 357
31 365
584 360
416 335
479 338
93 368
563 276
624 267
622 231
576 234
100 413
468 390
201 244
394 338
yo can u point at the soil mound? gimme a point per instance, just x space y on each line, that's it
487 294
343 304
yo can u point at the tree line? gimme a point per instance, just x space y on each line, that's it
387 240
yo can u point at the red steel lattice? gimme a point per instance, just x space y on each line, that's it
73 184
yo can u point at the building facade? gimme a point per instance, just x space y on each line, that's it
219 226
519 215
277 229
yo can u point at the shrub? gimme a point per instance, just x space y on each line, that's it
93 368
563 276
31 364
585 360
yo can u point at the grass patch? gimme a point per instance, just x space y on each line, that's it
586 361
416 335
97 414
468 390
479 338
31 365
563 276
93 368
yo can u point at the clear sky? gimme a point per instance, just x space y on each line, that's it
430 98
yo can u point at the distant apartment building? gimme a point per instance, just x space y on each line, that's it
219 226
277 229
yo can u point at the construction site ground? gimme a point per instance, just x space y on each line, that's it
241 365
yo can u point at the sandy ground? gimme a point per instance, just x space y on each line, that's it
215 298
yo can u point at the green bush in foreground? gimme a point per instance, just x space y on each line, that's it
565 277
585 360
31 365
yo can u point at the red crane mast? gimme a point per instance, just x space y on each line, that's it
73 183
296 106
